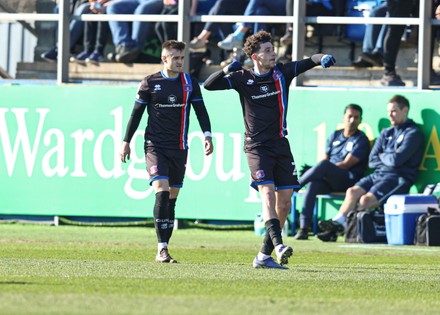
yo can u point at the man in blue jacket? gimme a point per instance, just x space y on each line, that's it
395 158
345 162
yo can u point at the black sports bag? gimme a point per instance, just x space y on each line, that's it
365 227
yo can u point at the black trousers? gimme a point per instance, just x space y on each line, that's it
396 8
323 178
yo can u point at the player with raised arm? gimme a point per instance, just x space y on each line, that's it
263 94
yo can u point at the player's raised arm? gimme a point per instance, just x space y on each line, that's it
218 81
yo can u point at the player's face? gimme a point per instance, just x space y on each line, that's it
397 116
352 118
265 57
173 60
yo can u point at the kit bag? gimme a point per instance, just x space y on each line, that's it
428 229
365 227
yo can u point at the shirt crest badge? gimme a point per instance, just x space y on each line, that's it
172 99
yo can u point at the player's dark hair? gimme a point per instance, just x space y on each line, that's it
354 107
400 100
254 42
173 44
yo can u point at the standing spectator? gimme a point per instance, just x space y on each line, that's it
263 94
168 96
396 8
395 156
344 164
372 45
435 78
129 38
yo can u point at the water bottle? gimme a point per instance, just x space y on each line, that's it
259 226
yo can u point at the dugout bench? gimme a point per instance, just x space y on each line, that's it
322 201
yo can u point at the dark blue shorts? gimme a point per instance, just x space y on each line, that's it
273 165
381 184
166 164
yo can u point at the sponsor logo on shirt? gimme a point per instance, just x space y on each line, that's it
254 97
157 87
250 82
349 146
172 99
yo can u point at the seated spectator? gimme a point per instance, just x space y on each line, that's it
96 35
372 45
221 7
344 164
395 157
255 7
76 28
129 38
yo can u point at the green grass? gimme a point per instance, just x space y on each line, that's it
86 270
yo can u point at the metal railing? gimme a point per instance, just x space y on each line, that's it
183 20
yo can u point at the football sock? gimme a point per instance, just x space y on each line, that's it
274 230
340 218
161 216
262 256
160 246
171 213
267 246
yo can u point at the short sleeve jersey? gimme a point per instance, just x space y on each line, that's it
264 100
168 103
358 145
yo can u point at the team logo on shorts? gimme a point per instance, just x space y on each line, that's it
153 169
172 99
264 88
259 174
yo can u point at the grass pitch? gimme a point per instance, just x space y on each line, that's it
85 270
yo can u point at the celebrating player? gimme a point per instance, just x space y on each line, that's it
263 94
